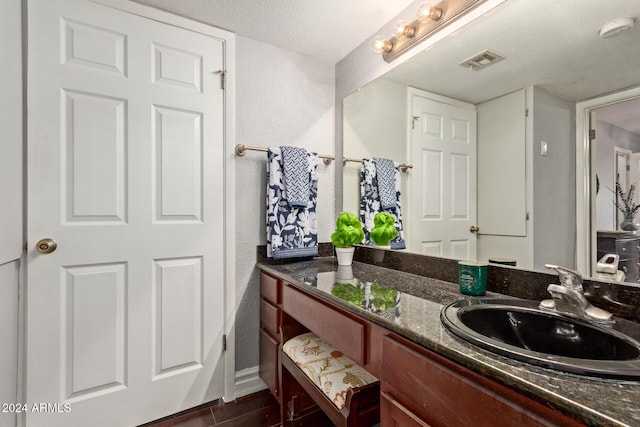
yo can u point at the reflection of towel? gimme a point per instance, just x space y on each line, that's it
295 163
386 172
292 232
370 202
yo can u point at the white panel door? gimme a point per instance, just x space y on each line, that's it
125 173
443 180
502 203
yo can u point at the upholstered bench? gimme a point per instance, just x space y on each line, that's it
343 390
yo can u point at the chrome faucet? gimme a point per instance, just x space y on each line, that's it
569 299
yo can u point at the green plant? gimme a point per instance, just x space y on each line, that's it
626 205
348 231
384 229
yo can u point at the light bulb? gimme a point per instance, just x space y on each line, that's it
381 45
403 30
428 11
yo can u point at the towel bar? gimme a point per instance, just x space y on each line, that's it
241 150
403 167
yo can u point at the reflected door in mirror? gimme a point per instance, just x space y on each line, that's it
442 189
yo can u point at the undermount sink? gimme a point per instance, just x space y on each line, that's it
520 330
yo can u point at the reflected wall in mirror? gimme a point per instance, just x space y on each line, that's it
525 107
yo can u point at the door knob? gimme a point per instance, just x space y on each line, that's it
46 246
474 229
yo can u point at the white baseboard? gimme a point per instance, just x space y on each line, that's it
248 381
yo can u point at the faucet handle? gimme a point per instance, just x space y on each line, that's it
569 278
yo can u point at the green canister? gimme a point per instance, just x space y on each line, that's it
473 277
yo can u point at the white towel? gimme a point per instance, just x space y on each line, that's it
386 173
297 179
292 232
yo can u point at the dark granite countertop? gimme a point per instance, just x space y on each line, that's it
593 401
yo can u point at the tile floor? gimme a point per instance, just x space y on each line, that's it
256 410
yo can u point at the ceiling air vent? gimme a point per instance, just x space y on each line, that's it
481 60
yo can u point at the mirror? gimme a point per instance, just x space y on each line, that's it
554 54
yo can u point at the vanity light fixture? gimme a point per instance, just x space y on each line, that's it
431 17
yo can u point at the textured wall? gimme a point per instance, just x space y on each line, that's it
374 125
282 98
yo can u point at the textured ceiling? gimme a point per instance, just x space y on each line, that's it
324 29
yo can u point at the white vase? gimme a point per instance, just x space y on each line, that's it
345 255
344 274
378 252
382 246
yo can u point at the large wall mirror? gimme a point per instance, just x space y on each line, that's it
513 195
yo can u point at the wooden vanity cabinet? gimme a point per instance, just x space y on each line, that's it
270 321
418 387
425 389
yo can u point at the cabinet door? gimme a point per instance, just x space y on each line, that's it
270 288
446 394
393 414
269 362
269 317
501 141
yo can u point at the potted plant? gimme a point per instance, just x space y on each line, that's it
348 233
626 205
384 229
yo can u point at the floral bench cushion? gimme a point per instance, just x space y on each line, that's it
330 370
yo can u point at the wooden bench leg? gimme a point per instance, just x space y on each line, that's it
302 400
297 408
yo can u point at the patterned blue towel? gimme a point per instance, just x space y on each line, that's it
297 180
370 203
386 173
292 232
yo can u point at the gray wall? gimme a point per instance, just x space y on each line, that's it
554 180
374 125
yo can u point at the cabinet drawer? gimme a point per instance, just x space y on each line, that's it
344 333
269 317
631 268
445 394
270 288
628 248
393 414
269 362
